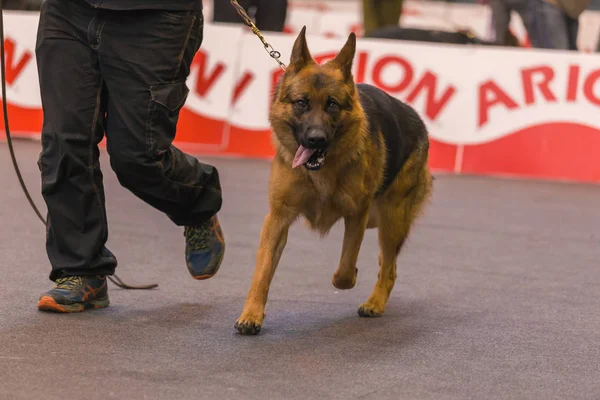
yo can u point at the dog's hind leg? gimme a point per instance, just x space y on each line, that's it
273 239
345 276
397 210
391 239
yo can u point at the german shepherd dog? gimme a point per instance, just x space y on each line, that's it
342 151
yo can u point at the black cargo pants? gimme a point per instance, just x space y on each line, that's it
121 74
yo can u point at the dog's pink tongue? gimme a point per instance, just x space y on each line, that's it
302 156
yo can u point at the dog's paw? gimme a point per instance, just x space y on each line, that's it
344 282
248 326
368 310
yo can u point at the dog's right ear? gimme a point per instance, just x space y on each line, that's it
345 57
300 54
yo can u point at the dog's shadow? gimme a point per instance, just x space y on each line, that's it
173 316
405 321
403 325
292 328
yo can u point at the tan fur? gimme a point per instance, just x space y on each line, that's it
344 190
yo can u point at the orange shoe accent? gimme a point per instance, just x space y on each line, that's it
203 277
47 303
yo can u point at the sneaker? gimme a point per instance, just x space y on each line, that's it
75 293
204 248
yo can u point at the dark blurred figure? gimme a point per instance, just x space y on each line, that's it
33 5
379 14
268 15
501 14
556 23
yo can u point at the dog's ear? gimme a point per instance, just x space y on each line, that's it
300 54
345 57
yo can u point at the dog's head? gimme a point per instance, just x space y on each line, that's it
314 104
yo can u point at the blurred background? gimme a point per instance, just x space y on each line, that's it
556 24
488 76
497 288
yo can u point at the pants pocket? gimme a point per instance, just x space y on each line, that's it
166 101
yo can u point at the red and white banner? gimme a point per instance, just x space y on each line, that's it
497 111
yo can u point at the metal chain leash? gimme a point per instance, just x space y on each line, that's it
272 52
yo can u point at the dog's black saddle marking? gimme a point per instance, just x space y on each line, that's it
400 125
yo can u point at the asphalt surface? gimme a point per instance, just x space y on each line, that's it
497 297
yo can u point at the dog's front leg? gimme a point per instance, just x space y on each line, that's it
355 226
273 238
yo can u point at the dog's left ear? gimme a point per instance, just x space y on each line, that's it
345 57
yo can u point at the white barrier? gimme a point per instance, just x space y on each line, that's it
489 110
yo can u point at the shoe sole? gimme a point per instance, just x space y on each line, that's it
204 277
47 303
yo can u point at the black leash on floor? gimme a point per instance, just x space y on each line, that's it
114 279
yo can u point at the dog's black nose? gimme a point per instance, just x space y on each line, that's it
316 139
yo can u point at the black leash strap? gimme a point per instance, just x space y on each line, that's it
116 280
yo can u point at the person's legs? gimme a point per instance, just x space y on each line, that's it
500 19
271 15
73 104
378 14
390 12
370 21
145 59
572 31
526 10
550 26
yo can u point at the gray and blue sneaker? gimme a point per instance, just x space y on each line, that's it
204 248
75 294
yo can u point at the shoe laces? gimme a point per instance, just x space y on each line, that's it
69 282
197 235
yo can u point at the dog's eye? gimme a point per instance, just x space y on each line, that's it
332 105
301 104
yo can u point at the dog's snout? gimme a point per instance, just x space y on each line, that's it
316 139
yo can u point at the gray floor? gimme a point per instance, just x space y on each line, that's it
497 297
